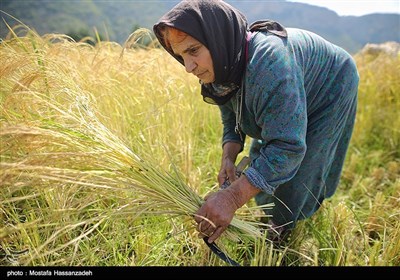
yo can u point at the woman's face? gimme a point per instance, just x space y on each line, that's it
196 57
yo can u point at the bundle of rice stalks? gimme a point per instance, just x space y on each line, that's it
82 151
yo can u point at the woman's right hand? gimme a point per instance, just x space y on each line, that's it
228 168
227 171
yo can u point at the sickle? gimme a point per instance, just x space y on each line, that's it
216 250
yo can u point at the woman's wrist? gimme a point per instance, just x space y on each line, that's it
242 191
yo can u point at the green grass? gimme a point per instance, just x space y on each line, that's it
106 153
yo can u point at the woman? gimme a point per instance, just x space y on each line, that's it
291 91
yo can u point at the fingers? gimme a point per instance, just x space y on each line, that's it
227 171
222 178
213 235
209 229
232 175
227 175
217 233
206 227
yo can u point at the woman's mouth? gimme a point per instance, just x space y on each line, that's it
201 74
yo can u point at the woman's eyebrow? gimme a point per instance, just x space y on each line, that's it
188 48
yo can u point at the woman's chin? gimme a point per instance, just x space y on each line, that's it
206 81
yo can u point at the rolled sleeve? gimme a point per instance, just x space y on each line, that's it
258 181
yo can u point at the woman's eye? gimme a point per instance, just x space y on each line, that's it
193 51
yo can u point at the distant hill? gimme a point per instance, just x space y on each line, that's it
116 20
349 32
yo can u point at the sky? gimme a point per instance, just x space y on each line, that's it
356 7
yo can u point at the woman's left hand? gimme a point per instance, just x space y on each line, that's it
217 212
215 215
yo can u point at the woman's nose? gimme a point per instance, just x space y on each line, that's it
190 65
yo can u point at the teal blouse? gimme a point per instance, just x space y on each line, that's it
299 107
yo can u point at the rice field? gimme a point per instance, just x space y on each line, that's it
107 152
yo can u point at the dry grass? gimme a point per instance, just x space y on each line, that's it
91 134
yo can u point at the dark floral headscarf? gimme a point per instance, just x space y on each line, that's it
222 29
